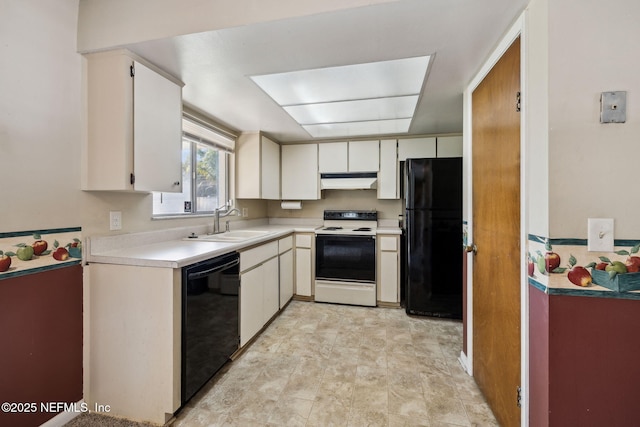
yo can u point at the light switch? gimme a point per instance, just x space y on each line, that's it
600 233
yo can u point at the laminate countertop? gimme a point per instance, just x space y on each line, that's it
181 251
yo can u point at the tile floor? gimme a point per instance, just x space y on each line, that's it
333 365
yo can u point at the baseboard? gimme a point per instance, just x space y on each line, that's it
465 363
385 304
63 417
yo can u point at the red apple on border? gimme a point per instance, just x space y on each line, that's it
579 275
551 259
5 262
531 265
39 246
61 254
633 264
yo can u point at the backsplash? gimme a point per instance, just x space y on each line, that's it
27 252
550 262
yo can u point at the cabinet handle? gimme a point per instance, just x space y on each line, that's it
176 183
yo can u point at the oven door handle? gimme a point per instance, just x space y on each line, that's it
199 274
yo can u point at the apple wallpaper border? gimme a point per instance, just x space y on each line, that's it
566 267
33 251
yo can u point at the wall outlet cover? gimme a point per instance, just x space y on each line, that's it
115 220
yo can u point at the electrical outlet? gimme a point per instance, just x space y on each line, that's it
245 212
115 220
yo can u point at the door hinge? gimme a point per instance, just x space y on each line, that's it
519 396
518 100
132 179
132 70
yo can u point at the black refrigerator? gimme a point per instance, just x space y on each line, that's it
433 237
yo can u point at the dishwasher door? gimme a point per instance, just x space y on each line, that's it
210 323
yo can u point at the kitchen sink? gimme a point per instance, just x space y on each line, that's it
231 236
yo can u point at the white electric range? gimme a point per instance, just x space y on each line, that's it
346 258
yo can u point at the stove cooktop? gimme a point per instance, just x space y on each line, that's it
349 222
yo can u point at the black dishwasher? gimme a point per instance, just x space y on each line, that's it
210 331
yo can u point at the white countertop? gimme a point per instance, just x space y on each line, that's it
177 253
168 249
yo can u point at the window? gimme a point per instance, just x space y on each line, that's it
205 173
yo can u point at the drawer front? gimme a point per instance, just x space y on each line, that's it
303 240
285 244
258 255
388 244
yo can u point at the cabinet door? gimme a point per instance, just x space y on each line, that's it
300 178
248 159
303 272
109 146
364 156
332 157
416 148
271 292
157 132
388 175
251 304
449 146
270 169
388 279
286 277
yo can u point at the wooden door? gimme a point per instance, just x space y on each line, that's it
496 233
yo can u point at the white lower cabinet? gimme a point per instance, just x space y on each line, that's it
271 294
133 340
304 264
251 296
388 270
285 259
259 293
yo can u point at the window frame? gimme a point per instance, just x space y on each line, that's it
224 150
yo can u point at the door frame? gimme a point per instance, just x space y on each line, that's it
518 29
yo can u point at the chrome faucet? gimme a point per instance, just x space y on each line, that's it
217 215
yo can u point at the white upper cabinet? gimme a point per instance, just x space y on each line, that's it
416 148
388 174
352 156
300 179
333 157
134 123
364 156
257 167
449 146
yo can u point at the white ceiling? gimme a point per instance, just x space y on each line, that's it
215 66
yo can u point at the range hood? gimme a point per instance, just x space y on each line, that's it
348 181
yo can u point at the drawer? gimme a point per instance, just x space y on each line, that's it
388 243
304 240
285 244
252 257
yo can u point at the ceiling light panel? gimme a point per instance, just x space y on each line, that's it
350 82
376 127
351 111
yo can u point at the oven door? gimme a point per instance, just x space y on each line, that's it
346 258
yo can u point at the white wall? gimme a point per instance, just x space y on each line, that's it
41 130
593 48
40 112
536 101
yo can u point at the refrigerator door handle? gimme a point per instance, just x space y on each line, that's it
471 248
